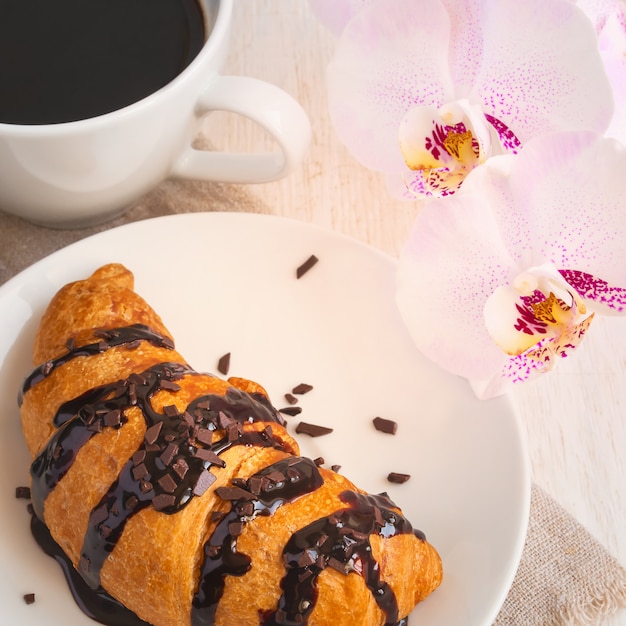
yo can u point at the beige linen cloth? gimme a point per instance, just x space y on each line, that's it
565 576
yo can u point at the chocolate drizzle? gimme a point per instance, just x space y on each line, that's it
340 541
173 464
261 494
128 335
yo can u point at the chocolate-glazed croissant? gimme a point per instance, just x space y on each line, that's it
183 496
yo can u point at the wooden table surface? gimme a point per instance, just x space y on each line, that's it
575 417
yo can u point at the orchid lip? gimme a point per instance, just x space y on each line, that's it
444 145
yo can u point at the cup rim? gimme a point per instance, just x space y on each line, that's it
219 30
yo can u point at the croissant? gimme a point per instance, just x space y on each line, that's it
182 496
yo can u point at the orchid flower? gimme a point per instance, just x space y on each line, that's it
500 281
609 20
427 90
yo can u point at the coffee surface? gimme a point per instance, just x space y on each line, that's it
67 60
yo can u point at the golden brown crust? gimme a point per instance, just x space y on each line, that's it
155 566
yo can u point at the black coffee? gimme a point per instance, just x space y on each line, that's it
67 60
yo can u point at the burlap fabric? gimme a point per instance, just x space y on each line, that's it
565 577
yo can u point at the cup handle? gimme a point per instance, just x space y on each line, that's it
267 105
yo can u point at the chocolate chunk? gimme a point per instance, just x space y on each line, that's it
313 430
209 456
291 399
204 435
385 426
291 410
233 432
223 365
113 418
205 480
233 493
307 557
140 471
139 457
167 483
255 484
306 266
22 492
137 379
302 388
29 598
131 502
169 453
224 421
180 467
335 468
169 385
235 529
163 501
152 434
319 461
171 411
395 477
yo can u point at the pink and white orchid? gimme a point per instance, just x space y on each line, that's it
427 90
500 281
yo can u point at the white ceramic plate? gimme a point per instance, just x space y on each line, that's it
226 283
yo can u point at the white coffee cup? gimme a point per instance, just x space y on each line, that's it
81 173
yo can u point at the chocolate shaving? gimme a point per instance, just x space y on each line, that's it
167 483
306 266
223 365
152 434
140 471
139 457
302 388
395 477
22 492
385 426
169 385
163 501
313 430
233 493
169 453
291 399
291 410
209 456
180 467
204 435
171 411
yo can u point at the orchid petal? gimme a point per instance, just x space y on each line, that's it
531 76
391 57
570 192
601 296
609 20
452 262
